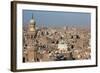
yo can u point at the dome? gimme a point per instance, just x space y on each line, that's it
31 26
32 21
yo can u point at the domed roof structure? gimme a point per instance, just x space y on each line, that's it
32 21
32 24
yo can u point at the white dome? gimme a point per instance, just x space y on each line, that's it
32 21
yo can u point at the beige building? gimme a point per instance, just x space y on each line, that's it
29 42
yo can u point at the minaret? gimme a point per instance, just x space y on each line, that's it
31 48
32 24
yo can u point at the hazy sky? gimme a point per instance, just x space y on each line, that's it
53 18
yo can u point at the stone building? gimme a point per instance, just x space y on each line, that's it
29 42
62 46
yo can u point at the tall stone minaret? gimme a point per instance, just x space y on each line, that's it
30 41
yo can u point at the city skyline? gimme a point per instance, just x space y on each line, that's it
54 18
